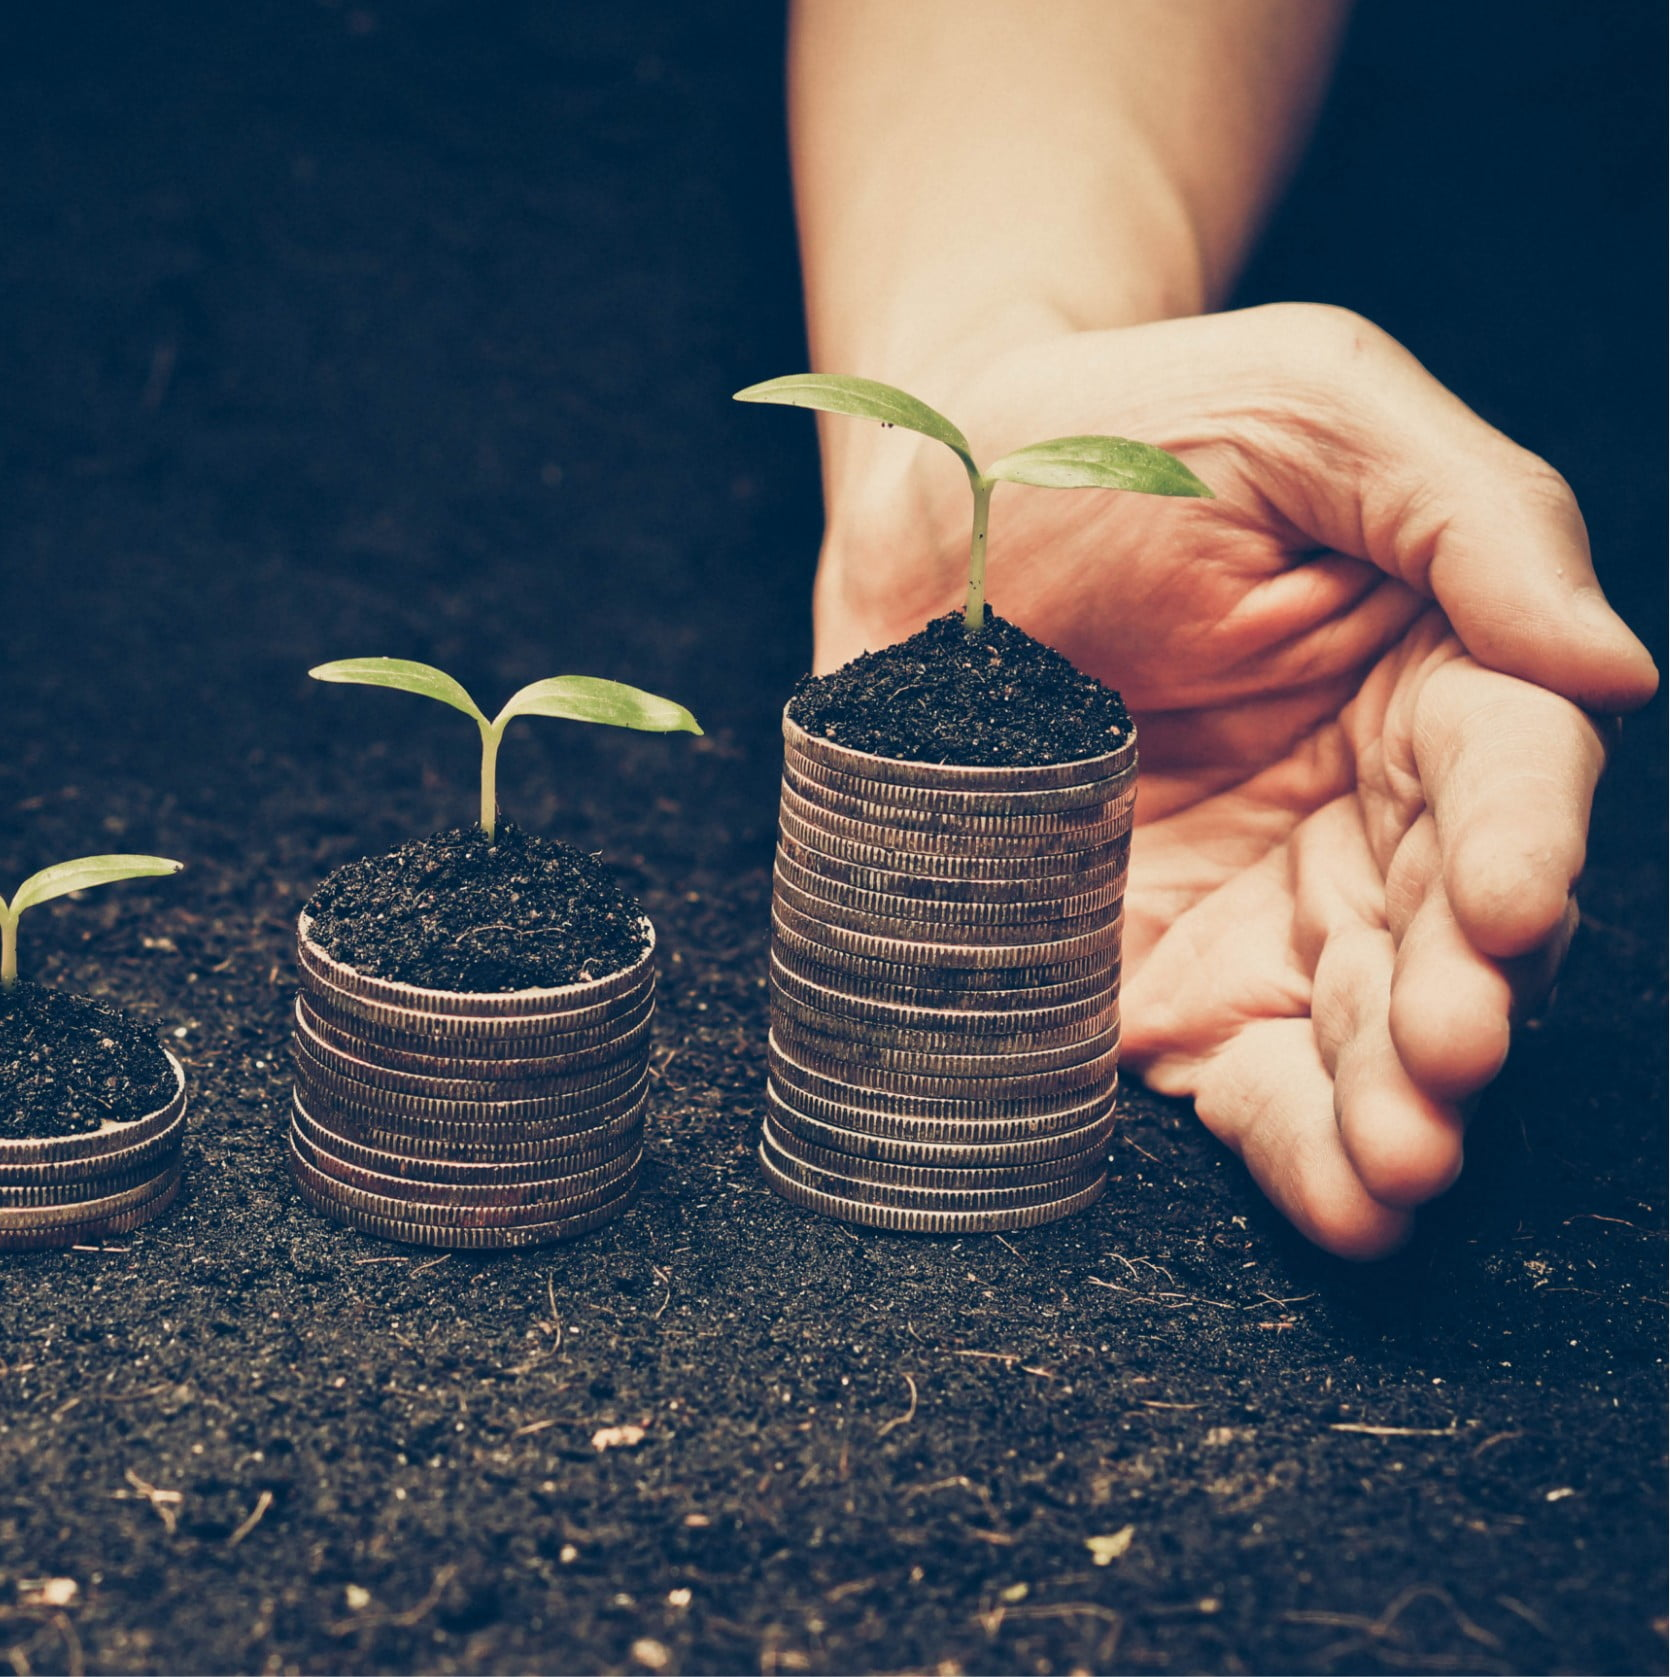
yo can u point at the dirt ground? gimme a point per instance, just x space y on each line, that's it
408 328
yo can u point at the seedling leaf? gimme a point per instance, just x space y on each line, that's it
865 398
584 698
405 675
64 877
1099 463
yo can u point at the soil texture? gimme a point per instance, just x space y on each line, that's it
457 911
70 1063
993 699
410 325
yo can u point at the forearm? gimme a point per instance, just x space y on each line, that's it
975 174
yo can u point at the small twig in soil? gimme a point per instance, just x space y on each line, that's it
1018 1253
404 1620
166 1503
431 1263
905 1419
665 1277
1495 1439
1451 1431
251 1520
1141 1149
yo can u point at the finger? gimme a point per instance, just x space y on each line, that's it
1268 1096
1420 485
1510 772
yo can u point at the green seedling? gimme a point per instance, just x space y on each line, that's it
1062 463
579 698
59 881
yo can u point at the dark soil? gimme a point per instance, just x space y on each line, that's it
996 698
457 912
409 325
68 1063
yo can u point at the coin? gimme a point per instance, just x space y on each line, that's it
932 913
529 1071
45 1195
914 1072
87 1230
928 1141
996 838
547 1003
418 1034
575 1185
963 991
905 1220
1014 1014
1121 754
1092 824
944 800
471 1239
475 1144
1095 946
102 1165
557 1084
993 1096
909 1048
22 1217
952 1173
109 1138
535 1213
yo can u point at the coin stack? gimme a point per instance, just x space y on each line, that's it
445 1118
945 986
74 1190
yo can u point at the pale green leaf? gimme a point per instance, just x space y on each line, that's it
1099 463
584 698
64 877
403 674
864 398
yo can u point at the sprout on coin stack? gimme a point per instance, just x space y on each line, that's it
472 1034
946 910
92 1108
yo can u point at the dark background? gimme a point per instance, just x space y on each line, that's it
409 328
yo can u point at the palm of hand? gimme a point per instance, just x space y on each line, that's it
1342 881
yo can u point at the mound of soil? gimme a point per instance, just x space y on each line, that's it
996 699
457 912
68 1063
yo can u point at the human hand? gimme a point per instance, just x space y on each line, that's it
1357 677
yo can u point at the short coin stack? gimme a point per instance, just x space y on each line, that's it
74 1190
945 986
447 1118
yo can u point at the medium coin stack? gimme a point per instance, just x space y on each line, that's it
74 1190
945 986
446 1118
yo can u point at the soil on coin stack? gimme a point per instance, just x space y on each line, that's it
459 912
68 1063
994 699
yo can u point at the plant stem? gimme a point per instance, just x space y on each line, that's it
8 949
974 609
490 737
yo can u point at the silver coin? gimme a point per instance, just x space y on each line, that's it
867 982
490 1041
941 800
575 1185
878 1066
17 1218
1120 755
323 1187
1031 918
556 1083
528 1072
430 1146
152 1152
1063 1174
109 1138
858 1000
566 1110
1058 957
906 1220
939 1141
46 1195
549 1003
90 1230
411 1233
840 1033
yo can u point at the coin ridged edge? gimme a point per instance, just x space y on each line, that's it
109 1138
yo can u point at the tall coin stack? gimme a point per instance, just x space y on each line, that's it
73 1190
446 1118
945 986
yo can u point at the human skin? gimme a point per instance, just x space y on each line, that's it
1366 676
